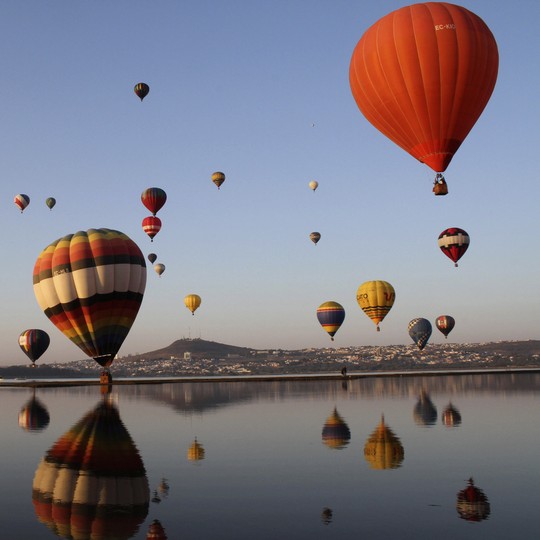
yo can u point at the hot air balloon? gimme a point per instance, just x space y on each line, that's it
156 531
90 285
50 202
151 226
92 482
451 417
454 242
331 316
376 299
420 331
22 201
192 302
422 76
313 185
152 257
218 178
383 449
445 323
159 268
315 237
425 413
34 343
154 198
141 89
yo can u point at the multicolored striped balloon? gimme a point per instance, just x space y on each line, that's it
22 201
151 226
90 285
454 242
34 343
141 90
331 316
154 198
376 299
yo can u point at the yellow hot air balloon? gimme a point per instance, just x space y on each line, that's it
192 302
376 298
195 451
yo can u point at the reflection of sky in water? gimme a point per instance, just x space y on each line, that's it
267 474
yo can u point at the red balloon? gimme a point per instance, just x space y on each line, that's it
154 198
151 226
454 242
422 75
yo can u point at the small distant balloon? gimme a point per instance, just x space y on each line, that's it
152 257
313 185
151 226
141 89
420 331
315 237
50 202
159 269
445 323
454 242
154 198
331 316
34 342
218 178
192 302
22 201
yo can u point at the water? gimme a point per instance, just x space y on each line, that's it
369 458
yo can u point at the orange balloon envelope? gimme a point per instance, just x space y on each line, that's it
151 226
422 75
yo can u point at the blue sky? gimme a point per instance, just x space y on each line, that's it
259 90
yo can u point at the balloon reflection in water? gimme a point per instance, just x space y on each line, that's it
336 433
383 449
425 413
472 503
156 531
451 417
195 451
326 516
34 416
92 482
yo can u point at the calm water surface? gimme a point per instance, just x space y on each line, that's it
422 457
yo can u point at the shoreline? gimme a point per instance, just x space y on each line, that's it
44 383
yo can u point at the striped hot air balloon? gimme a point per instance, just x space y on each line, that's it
331 316
22 201
376 299
141 90
154 198
192 302
151 226
34 343
454 242
90 285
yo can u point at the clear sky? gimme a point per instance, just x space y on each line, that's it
260 91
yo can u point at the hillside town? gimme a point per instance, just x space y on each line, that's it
200 358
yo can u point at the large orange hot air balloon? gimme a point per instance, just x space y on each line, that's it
90 285
422 75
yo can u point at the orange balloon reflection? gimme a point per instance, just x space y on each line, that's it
383 449
472 503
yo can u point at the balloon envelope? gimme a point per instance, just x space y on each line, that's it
151 226
34 343
315 237
154 198
152 257
454 242
159 269
90 285
314 185
420 331
376 299
50 202
218 178
445 323
192 302
141 90
331 316
22 201
422 75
